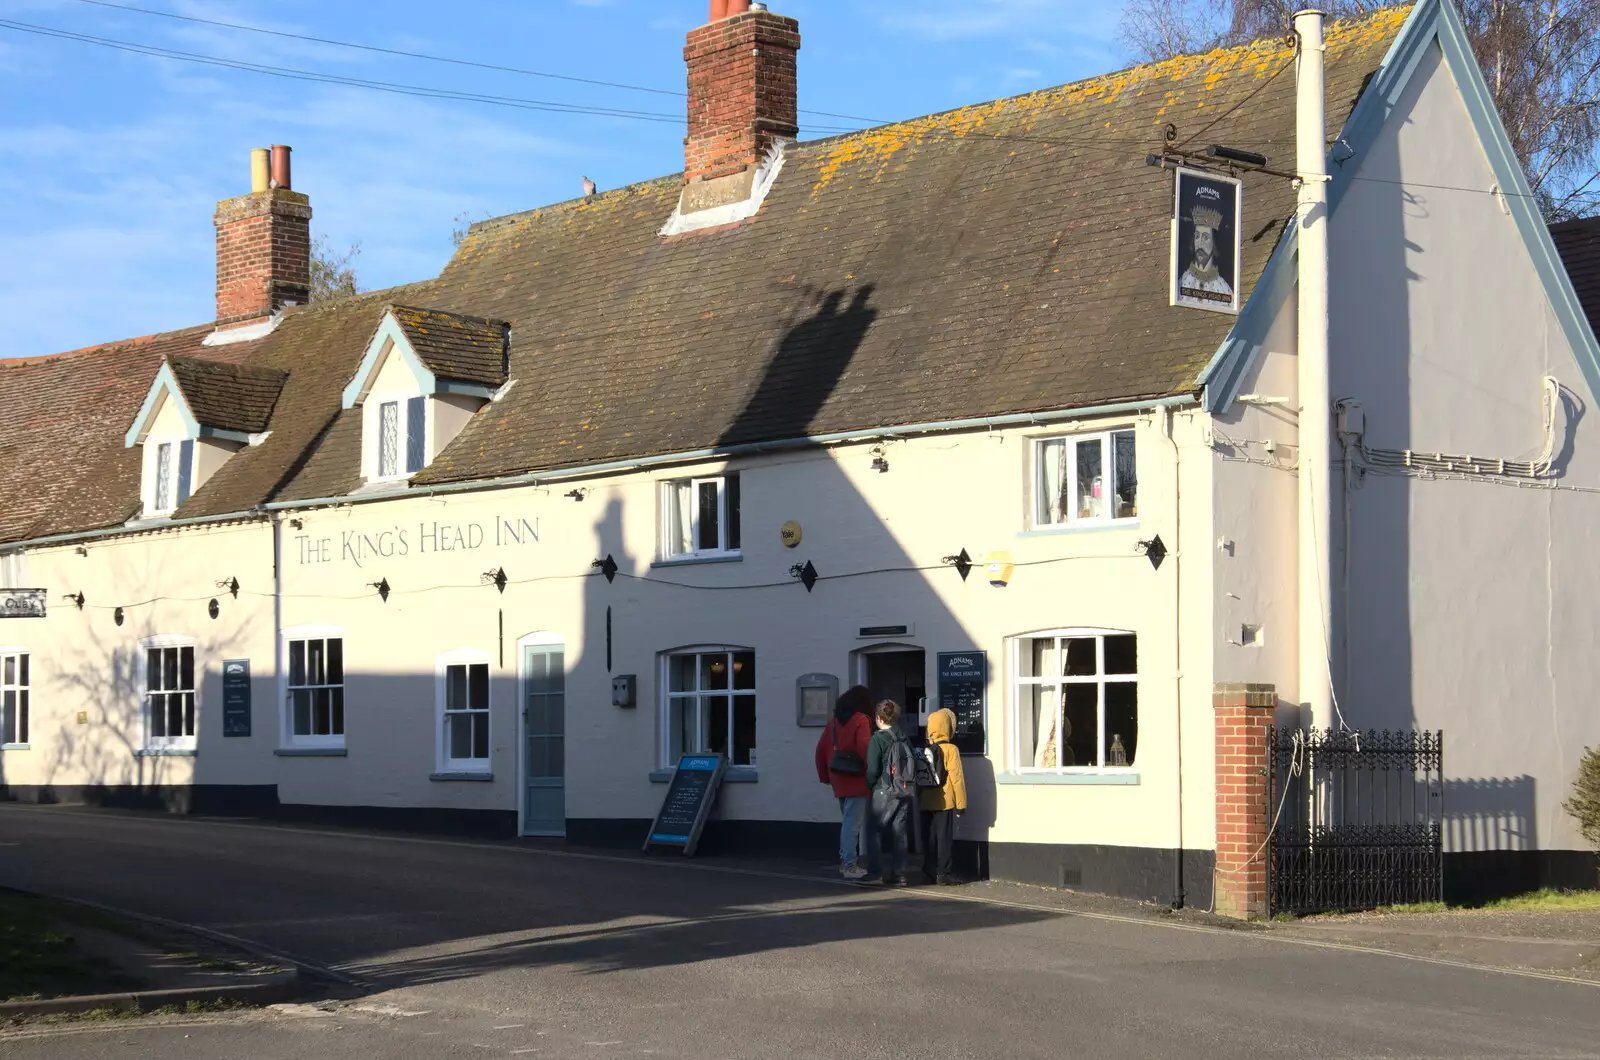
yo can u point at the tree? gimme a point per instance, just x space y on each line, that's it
333 275
1585 801
1540 58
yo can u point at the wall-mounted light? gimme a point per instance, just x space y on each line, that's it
230 584
879 463
298 524
81 550
213 608
496 578
116 616
578 494
807 574
76 598
607 566
1153 550
382 587
961 562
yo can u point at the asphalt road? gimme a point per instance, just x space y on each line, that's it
507 950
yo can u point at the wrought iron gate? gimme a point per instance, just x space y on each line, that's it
1356 819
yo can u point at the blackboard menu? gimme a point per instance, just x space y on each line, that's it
963 686
688 803
236 697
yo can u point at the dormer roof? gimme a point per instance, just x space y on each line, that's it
215 399
232 397
446 352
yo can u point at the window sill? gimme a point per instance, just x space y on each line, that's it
1123 777
16 746
732 775
688 561
1081 528
310 752
164 752
461 775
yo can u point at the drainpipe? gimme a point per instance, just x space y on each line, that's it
1179 898
1311 166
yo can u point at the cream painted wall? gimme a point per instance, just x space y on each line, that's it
449 413
1471 604
942 493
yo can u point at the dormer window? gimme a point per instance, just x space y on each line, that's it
196 415
173 475
424 375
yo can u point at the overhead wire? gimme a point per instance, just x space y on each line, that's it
244 27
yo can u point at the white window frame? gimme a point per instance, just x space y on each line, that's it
286 690
467 657
372 433
699 695
670 549
161 641
1021 760
153 483
21 689
1108 458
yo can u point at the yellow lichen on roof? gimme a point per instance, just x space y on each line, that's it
1257 59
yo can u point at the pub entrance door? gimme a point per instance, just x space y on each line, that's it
900 674
544 723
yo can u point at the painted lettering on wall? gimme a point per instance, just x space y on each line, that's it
359 547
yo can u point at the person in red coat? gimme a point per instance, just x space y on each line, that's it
842 765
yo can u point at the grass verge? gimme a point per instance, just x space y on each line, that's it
40 959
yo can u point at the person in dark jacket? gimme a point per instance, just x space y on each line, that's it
842 764
889 815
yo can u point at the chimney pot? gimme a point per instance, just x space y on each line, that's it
738 7
280 166
259 170
719 9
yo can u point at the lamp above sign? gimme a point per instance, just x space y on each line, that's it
21 603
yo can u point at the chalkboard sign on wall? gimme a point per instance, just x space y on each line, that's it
963 690
236 697
688 802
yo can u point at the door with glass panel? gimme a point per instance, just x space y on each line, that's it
544 723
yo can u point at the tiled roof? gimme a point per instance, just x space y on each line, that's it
1002 258
1578 243
453 346
1006 257
63 465
230 396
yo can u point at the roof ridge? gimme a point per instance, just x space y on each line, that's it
154 336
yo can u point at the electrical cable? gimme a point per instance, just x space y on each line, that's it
396 88
1252 95
433 58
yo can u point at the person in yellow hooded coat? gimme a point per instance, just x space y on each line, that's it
941 805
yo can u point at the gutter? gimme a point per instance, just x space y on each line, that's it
1018 419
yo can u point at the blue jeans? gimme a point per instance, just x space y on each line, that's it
852 808
894 826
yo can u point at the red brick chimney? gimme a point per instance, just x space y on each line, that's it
263 244
741 99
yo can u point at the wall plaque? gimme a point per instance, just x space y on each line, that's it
22 603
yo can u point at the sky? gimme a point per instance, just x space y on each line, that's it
111 163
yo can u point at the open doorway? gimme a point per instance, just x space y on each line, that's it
897 672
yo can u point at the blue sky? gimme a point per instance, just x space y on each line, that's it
113 162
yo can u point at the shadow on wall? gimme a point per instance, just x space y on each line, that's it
102 754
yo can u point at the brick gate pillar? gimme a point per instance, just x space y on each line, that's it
1243 716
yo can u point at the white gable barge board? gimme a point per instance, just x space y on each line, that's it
165 383
387 339
1429 22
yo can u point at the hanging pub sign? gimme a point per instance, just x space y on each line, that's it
1205 240
21 603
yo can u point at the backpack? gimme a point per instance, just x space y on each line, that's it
899 769
930 766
